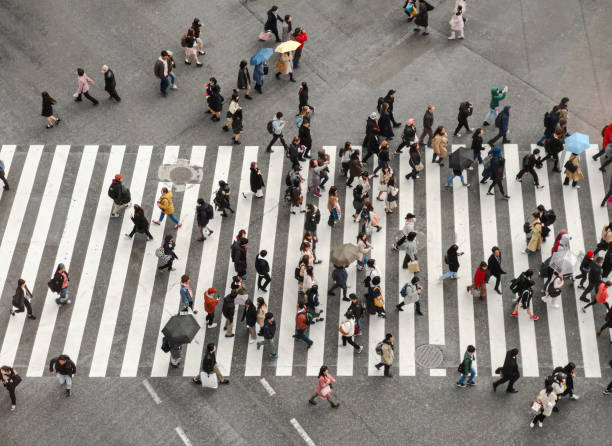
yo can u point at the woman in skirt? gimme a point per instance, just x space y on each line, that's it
47 110
391 199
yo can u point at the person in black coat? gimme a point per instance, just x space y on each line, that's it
228 309
271 24
428 120
244 79
339 276
422 17
530 162
65 368
21 299
305 137
256 181
209 365
215 102
303 98
110 85
553 146
384 122
390 99
250 314
595 278
141 223
370 141
477 145
408 135
47 111
262 267
509 372
452 260
495 267
311 221
465 111
239 256
169 246
204 213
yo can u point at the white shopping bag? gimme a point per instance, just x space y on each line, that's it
209 381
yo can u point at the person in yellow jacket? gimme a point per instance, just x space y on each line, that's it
167 208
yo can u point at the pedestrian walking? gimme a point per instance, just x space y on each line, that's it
390 100
371 141
269 330
166 253
221 199
188 41
271 23
285 65
408 227
497 174
391 197
543 405
428 120
347 331
465 111
551 121
422 17
275 128
411 292
494 265
595 279
315 178
211 299
585 266
324 388
209 365
303 319
231 109
228 309
215 103
59 284
333 206
256 181
250 317
196 25
171 66
186 294
414 161
384 122
457 24
65 369
497 95
411 247
554 146
383 161
509 372
477 146
262 267
365 247
456 173
535 242
376 297
262 309
355 168
606 239
258 74
439 143
570 374
606 147
409 135
239 256
305 139
573 171
303 98
339 276
478 288
110 84
494 156
300 36
530 161
204 213
83 82
162 71
22 300
385 350
10 380
47 111
141 223
452 260
167 208
244 79
502 122
524 301
3 176
120 194
286 28
466 368
601 297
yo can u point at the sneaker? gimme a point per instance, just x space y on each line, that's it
531 425
574 397
535 318
68 393
514 314
607 392
230 335
31 316
458 135
225 381
177 226
174 87
251 341
540 424
258 345
467 184
460 385
584 299
471 383
213 325
114 215
360 349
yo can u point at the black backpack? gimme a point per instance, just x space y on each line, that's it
379 104
210 212
549 217
288 179
526 161
526 227
514 285
113 191
498 121
270 127
53 285
547 119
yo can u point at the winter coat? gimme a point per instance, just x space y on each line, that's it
215 100
355 167
602 293
47 108
84 82
505 119
422 17
141 223
476 144
510 368
323 385
480 277
464 108
20 296
269 329
209 362
439 144
409 133
414 157
411 249
595 274
244 78
364 249
169 246
262 267
341 277
357 310
535 242
548 401
202 215
229 306
109 80
286 59
304 135
468 358
553 146
258 74
428 119
312 220
69 368
285 31
494 265
271 24
121 193
210 303
453 260
256 180
387 353
496 96
301 38
186 296
239 256
384 122
250 314
456 22
165 203
300 319
577 175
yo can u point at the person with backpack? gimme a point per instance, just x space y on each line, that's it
497 95
385 350
606 148
65 369
275 128
601 297
188 41
509 372
497 174
21 300
525 300
502 122
422 18
465 111
375 296
347 331
303 319
59 284
452 260
339 276
269 330
196 25
166 253
411 292
204 213
551 121
120 194
553 290
324 388
595 278
573 171
141 223
494 156
554 146
222 198
466 369
530 161
10 380
167 208
494 265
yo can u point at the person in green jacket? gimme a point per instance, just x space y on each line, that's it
496 96
468 358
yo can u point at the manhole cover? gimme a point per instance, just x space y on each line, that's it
181 174
428 356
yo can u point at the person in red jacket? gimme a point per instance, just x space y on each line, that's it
301 37
601 296
480 280
210 302
607 141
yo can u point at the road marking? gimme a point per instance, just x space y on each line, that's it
300 430
151 391
267 386
437 372
181 433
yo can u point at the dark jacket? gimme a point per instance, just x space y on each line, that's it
269 329
389 100
229 306
422 17
465 110
215 100
261 266
415 157
69 368
305 138
355 166
341 277
239 256
169 249
357 309
244 78
202 214
256 180
141 223
428 120
58 280
510 368
158 68
19 297
209 361
553 146
532 161
271 22
595 274
383 155
495 266
109 80
303 97
47 106
409 134
119 193
477 144
505 119
585 265
386 128
497 172
312 220
453 259
250 314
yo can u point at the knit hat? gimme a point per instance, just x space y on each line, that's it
212 291
374 115
119 177
590 254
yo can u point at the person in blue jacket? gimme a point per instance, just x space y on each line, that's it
493 158
502 122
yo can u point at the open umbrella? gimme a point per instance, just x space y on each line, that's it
261 56
181 329
345 255
285 47
577 143
461 159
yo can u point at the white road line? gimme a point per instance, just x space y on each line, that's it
183 241
181 433
586 324
344 366
285 325
148 271
317 331
6 155
465 301
48 315
556 321
266 385
495 304
206 275
406 319
225 346
529 353
151 391
379 253
116 281
267 240
300 430
87 282
35 249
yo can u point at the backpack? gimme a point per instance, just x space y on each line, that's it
308 318
210 212
498 121
160 253
53 285
488 162
549 217
526 161
184 41
514 285
270 128
547 119
296 274
404 290
113 192
165 345
379 103
378 349
526 227
288 179
342 331
334 275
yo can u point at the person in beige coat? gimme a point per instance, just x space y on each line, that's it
439 143
535 243
285 65
573 173
547 398
387 356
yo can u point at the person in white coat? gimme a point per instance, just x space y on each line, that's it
456 24
407 229
347 331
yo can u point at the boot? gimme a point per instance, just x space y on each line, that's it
417 308
278 75
312 401
291 77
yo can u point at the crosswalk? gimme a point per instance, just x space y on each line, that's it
57 211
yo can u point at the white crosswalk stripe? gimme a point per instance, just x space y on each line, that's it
125 350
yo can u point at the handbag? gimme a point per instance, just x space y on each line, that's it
265 35
569 165
419 167
413 266
209 380
536 407
326 390
266 69
475 292
280 65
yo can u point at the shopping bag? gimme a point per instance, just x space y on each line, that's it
536 407
265 35
413 266
209 381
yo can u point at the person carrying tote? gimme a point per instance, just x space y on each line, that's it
324 388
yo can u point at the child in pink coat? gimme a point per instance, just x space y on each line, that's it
84 82
324 389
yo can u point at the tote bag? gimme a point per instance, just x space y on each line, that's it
209 381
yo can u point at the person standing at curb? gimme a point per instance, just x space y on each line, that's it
84 82
162 70
65 370
10 379
466 369
209 365
262 267
324 388
509 372
59 284
120 194
250 314
275 128
110 85
167 208
496 96
21 299
204 213
47 111
385 350
269 330
210 302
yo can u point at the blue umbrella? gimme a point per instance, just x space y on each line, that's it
577 143
261 56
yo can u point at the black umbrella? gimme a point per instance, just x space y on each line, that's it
181 329
461 159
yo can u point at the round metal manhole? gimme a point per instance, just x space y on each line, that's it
428 356
181 174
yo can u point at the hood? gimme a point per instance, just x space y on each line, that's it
496 150
495 90
168 195
507 109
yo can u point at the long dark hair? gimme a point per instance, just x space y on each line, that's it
138 210
46 97
322 370
439 130
288 22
